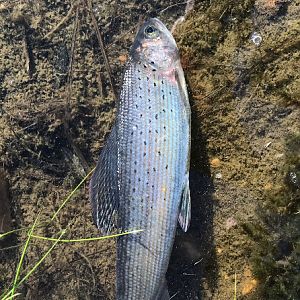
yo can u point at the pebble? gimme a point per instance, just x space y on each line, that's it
248 286
218 176
215 162
256 38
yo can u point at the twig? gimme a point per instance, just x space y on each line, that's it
90 267
67 116
101 44
27 52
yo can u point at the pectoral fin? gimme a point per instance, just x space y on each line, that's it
103 187
184 217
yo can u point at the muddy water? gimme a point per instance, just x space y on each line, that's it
241 64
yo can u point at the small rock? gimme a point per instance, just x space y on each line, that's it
218 176
5 217
268 186
248 286
230 222
123 58
215 163
256 38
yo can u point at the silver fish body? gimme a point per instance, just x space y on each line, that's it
141 180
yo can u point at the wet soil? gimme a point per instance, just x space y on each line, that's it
57 108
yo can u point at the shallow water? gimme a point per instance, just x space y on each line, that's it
57 107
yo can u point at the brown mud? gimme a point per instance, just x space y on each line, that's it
54 121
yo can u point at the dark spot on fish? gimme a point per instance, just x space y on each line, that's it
141 132
147 183
148 78
141 97
133 190
156 116
145 143
164 110
135 162
150 122
162 82
148 90
135 95
139 179
153 70
142 200
149 100
159 153
139 78
131 132
141 115
129 181
136 106
144 153
152 186
165 199
165 140
156 130
145 66
154 83
140 88
170 93
148 172
134 171
149 107
130 142
171 110
165 127
152 62
167 167
154 170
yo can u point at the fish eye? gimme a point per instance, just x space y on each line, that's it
151 32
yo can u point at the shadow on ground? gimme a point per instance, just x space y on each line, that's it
194 252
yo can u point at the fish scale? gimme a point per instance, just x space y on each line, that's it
141 180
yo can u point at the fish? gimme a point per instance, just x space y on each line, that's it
141 181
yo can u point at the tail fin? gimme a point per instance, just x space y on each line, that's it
162 293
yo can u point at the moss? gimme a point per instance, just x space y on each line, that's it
276 259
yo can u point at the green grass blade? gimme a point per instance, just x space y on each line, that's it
10 294
71 194
23 255
87 239
2 235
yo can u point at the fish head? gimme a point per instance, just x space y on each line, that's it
155 46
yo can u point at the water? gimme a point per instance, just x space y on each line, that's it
57 107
